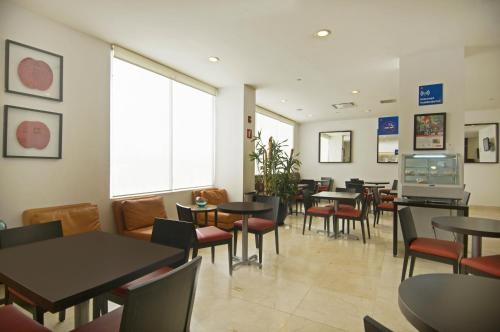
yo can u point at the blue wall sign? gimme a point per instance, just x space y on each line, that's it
388 125
430 94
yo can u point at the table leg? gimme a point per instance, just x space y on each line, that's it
395 230
206 218
477 246
245 260
81 313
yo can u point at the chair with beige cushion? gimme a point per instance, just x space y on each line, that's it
216 196
134 217
75 218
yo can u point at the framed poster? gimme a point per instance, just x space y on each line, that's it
33 72
29 133
429 131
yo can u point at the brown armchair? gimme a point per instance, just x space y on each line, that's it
134 217
215 196
75 218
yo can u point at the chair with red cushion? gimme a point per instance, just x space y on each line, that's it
209 236
260 224
486 266
172 233
447 252
23 235
164 303
316 211
299 198
388 191
379 207
12 320
355 215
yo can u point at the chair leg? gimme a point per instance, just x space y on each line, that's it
260 250
310 221
230 257
304 226
353 225
256 241
195 252
343 223
362 230
62 316
328 226
213 253
38 315
348 225
405 264
368 227
276 240
235 237
456 267
412 265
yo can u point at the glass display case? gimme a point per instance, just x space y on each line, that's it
432 175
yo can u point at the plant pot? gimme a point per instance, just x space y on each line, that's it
282 213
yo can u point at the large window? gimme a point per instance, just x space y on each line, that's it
161 133
279 130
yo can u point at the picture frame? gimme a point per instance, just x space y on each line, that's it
429 131
31 133
34 72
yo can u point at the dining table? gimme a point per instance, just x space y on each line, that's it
378 183
475 227
337 196
451 302
68 271
245 209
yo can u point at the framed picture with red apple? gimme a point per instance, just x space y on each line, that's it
33 72
30 133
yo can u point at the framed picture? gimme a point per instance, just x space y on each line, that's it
29 133
429 131
33 72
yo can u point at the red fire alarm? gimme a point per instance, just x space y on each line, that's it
249 133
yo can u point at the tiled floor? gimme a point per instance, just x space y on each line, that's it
315 284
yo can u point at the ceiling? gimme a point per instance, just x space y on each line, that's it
270 44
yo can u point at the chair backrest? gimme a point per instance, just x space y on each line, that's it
407 226
173 233
345 201
466 198
308 199
162 304
28 234
357 186
395 185
371 325
311 184
376 196
274 201
118 215
184 213
357 180
327 181
365 204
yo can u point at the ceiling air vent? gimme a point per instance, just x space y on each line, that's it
388 101
343 106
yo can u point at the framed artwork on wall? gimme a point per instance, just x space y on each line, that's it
30 133
429 132
33 72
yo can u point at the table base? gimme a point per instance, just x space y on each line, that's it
252 260
81 313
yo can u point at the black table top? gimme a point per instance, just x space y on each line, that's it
429 203
336 195
468 225
244 207
377 182
451 302
62 272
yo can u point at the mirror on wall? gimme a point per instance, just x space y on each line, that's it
481 143
335 146
387 148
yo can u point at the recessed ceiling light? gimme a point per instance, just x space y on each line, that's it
299 79
368 111
355 91
299 109
283 100
213 59
323 33
309 115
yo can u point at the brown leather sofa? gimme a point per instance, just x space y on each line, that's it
134 217
215 196
75 218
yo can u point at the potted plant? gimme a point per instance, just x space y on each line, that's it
276 172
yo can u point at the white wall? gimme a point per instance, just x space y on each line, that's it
82 175
483 180
364 152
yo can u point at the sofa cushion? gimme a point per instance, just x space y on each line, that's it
215 197
224 220
139 213
74 220
140 233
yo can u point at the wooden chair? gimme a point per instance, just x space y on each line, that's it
486 266
164 303
209 236
354 215
447 252
23 235
12 320
371 325
261 224
172 233
316 211
379 207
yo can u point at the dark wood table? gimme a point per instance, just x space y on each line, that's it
461 209
335 196
195 209
245 209
377 182
451 302
477 227
68 271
